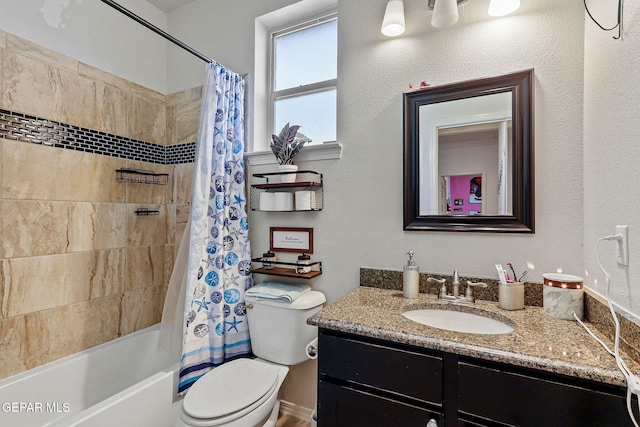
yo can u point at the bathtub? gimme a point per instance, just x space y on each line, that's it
124 382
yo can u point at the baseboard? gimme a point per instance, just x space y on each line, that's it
288 408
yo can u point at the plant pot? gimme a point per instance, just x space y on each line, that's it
290 176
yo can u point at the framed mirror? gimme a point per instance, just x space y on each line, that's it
468 156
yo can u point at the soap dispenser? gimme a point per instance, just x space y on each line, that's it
410 278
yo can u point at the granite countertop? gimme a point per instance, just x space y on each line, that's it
539 341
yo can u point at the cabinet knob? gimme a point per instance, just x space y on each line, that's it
432 423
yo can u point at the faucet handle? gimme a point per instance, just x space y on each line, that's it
470 285
480 284
442 292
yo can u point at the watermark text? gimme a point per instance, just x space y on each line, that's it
27 407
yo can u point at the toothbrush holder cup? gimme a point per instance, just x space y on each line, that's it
511 296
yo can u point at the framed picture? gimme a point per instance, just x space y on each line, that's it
475 190
289 239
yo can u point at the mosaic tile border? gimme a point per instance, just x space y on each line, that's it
35 130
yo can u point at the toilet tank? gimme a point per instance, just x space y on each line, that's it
279 331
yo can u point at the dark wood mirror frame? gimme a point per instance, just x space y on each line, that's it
520 84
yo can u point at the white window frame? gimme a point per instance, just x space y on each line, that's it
322 86
258 131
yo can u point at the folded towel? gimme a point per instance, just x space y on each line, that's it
277 291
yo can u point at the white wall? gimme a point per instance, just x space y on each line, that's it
96 34
612 149
362 222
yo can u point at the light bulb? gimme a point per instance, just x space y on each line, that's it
445 13
393 22
503 7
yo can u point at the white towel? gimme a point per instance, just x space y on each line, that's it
277 291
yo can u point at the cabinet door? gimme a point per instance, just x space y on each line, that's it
343 406
395 370
521 399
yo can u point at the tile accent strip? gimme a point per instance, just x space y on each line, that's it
35 130
181 153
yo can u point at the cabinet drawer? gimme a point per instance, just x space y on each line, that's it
400 371
521 400
342 406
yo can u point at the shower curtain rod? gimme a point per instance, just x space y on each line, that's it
156 30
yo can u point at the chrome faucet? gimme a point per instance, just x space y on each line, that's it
443 289
470 285
455 291
456 284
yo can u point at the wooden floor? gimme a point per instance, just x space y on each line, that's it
291 421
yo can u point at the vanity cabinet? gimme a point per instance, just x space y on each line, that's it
368 382
521 398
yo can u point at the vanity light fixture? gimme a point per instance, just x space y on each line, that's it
445 13
393 22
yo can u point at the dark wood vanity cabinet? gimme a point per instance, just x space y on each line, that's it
363 383
367 382
516 397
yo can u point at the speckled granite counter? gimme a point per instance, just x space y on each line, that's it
538 342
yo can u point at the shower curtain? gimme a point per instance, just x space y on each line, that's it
218 267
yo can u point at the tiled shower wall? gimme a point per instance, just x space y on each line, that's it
77 267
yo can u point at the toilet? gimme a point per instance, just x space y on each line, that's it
244 392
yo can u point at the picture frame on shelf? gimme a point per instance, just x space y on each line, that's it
291 239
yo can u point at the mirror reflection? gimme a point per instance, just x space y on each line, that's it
467 137
468 156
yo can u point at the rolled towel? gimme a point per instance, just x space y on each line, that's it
277 291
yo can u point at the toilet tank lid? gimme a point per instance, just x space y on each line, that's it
306 301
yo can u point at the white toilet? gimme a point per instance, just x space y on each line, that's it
244 392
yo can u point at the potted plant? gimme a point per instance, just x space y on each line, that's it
286 146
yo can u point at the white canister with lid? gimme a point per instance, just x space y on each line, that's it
303 264
563 295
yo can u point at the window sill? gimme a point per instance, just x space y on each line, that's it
327 151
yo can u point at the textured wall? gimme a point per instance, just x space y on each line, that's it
361 224
611 150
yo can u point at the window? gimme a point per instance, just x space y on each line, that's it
304 77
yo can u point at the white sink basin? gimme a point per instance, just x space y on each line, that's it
458 321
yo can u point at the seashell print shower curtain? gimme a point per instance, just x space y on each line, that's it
215 326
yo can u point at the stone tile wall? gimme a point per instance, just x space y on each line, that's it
77 267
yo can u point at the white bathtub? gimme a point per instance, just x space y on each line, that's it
122 383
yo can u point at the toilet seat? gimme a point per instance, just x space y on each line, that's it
230 391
